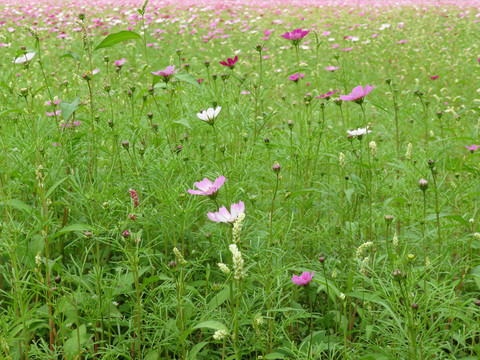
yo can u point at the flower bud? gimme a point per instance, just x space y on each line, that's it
276 167
423 185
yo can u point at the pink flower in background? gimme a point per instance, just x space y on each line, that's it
55 102
472 148
295 36
402 41
328 95
347 49
331 68
134 196
120 62
167 73
304 279
357 93
230 62
222 215
295 77
58 112
207 187
434 77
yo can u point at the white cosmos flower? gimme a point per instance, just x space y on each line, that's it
359 131
209 115
23 58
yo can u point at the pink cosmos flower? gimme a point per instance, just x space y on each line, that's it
472 148
120 62
304 279
357 94
331 68
207 187
295 77
167 73
222 215
295 36
402 41
328 95
434 77
347 49
230 62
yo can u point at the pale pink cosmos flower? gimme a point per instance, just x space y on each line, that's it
167 73
295 77
120 62
357 94
222 215
331 68
207 187
402 41
304 279
295 36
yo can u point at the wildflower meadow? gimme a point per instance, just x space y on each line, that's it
239 179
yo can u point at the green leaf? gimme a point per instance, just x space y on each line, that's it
71 345
115 38
476 275
152 355
183 122
70 54
71 228
189 78
375 356
211 324
275 356
297 70
192 354
19 205
4 112
69 109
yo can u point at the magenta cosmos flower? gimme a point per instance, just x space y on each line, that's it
304 279
222 215
230 62
295 77
207 187
167 73
120 62
357 94
472 148
295 36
